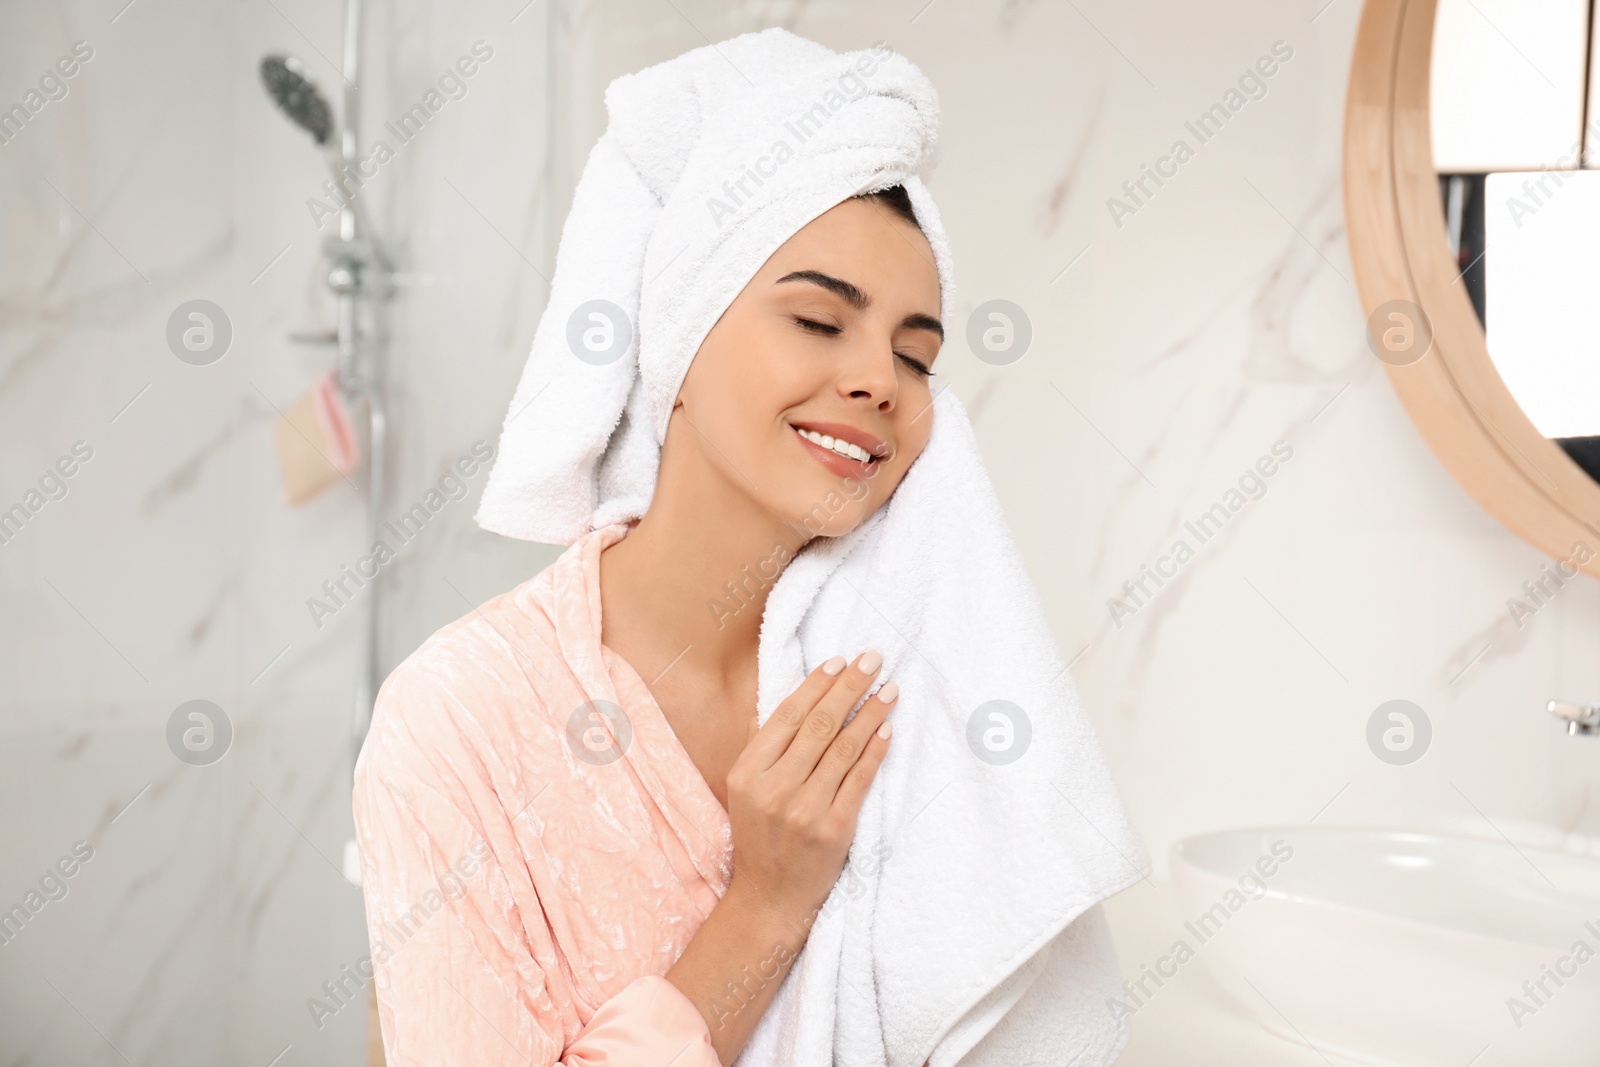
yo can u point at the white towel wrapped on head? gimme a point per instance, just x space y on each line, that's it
710 161
966 922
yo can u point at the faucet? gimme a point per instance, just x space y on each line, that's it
1581 718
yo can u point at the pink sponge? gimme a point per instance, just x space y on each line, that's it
315 441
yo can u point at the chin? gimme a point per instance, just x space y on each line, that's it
831 507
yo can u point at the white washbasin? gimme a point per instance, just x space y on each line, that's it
1400 949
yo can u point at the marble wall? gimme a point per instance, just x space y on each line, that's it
1176 340
214 905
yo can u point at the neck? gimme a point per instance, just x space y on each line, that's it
695 571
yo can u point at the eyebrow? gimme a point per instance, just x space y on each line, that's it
860 301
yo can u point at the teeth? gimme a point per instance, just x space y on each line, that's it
844 448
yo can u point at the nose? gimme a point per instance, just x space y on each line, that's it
869 374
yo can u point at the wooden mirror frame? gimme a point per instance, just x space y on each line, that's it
1395 224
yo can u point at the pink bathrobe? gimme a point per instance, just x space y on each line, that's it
529 874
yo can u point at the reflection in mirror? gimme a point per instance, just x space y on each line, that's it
1516 130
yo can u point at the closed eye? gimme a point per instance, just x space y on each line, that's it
916 365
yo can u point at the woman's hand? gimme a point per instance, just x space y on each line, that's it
793 797
796 789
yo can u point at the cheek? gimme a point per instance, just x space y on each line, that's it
912 441
723 392
753 373
913 434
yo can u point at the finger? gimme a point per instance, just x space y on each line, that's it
853 789
849 746
769 740
818 729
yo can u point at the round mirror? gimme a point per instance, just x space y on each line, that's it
1512 90
1472 189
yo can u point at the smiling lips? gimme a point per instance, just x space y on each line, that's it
844 450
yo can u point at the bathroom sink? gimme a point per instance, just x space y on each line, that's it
1399 949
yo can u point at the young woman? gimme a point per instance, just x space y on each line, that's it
600 815
525 907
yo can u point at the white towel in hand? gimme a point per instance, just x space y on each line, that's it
965 924
994 821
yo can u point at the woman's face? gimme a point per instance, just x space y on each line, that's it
832 339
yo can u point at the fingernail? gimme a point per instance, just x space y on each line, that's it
889 692
886 729
833 666
869 661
